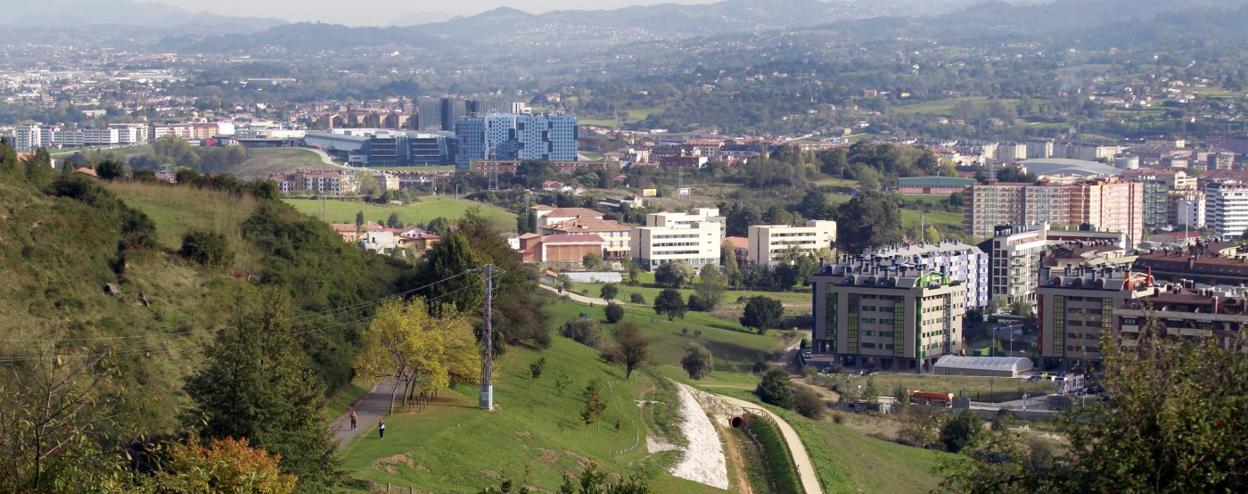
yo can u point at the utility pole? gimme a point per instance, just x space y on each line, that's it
486 396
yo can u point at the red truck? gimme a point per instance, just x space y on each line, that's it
930 398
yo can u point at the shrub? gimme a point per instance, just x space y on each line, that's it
614 312
960 430
637 298
609 291
775 388
807 402
698 361
207 248
697 304
583 331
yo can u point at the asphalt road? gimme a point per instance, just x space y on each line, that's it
374 405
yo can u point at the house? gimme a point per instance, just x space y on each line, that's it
418 239
562 250
350 232
379 241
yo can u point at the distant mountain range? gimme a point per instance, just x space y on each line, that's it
126 17
180 29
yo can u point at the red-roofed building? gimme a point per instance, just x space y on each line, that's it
563 250
616 236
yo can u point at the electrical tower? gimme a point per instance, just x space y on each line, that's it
485 399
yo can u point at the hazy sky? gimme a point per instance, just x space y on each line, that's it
377 12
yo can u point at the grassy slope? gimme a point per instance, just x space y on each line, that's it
794 302
179 209
56 255
453 447
474 446
261 162
342 211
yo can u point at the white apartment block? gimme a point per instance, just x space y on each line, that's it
1016 253
960 262
769 243
670 237
1226 208
27 137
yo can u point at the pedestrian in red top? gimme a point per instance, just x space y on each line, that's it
354 418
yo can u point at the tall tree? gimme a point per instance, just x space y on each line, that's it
711 286
420 351
669 303
762 313
869 220
632 347
445 276
673 274
256 385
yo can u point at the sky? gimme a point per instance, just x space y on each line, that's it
381 12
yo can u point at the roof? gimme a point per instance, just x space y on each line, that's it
925 249
572 239
575 213
582 225
1061 166
935 182
738 242
1003 364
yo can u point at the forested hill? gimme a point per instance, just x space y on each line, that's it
97 266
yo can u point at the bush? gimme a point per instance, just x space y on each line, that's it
698 361
207 248
697 304
583 331
960 431
614 312
807 402
637 298
609 291
673 274
775 388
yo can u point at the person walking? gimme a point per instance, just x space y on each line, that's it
354 418
381 428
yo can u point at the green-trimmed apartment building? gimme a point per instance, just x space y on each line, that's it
894 318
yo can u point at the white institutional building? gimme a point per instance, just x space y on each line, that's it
693 237
769 243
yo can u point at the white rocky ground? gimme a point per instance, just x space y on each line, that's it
703 459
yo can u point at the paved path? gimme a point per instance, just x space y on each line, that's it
576 297
375 404
805 468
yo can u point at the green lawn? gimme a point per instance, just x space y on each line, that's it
261 162
794 302
734 348
946 107
422 212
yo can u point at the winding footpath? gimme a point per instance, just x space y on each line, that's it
374 404
801 459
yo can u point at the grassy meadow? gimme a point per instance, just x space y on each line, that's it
422 212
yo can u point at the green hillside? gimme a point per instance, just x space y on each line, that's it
98 265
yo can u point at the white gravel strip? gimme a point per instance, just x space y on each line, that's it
703 460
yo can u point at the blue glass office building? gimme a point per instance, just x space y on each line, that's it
514 136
